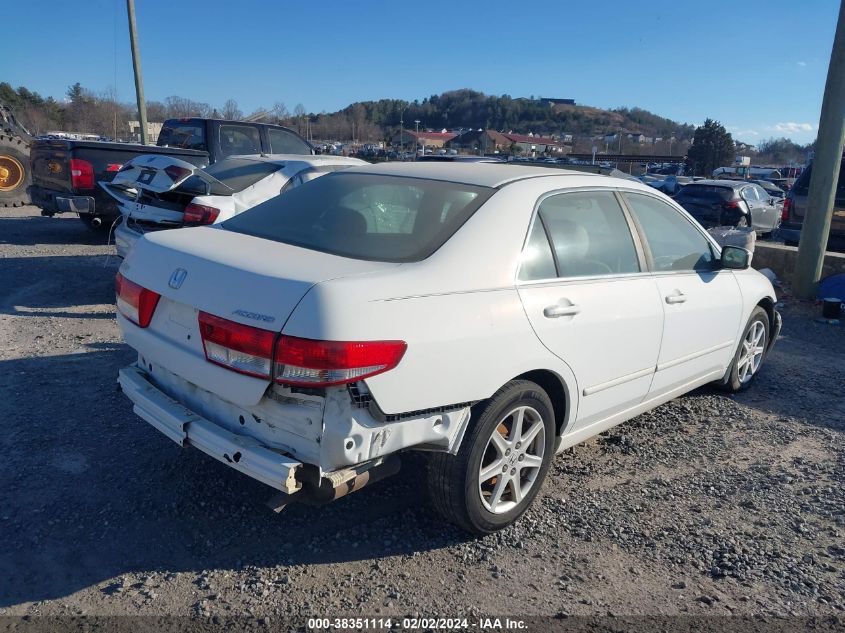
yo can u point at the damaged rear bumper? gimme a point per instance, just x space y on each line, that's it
185 427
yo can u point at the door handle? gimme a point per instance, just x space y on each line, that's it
557 310
680 297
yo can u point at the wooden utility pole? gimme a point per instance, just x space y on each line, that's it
823 180
136 64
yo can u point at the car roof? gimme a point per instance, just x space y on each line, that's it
480 174
733 184
315 160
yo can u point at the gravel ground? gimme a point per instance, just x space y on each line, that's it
707 505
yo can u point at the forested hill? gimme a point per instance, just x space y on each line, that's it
473 109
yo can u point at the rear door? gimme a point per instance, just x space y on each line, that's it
589 299
702 304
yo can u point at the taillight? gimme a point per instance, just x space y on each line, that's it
81 174
241 348
200 214
309 363
784 214
731 204
114 167
291 360
135 302
177 173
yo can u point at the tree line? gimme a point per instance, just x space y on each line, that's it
370 121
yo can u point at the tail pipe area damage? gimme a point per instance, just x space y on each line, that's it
317 490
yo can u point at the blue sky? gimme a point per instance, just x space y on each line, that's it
758 66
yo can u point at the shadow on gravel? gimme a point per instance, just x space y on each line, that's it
92 492
36 229
43 286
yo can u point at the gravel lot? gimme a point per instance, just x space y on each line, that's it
707 505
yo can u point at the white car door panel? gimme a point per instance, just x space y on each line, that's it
589 302
701 312
701 303
623 315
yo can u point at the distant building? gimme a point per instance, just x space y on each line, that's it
491 142
409 138
549 101
153 130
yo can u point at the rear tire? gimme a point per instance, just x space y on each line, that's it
502 462
750 354
15 172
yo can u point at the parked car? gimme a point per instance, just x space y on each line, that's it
770 188
730 203
65 173
452 158
160 192
672 184
795 208
488 315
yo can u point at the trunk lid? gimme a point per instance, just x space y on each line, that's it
156 189
238 277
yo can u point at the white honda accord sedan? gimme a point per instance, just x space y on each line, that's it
489 315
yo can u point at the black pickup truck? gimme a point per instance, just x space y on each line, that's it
65 173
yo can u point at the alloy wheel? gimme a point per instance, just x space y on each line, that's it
753 346
512 459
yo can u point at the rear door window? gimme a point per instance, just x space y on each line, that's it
589 234
239 139
285 142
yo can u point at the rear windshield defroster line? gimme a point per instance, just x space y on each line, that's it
365 216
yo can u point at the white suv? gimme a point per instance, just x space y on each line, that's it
490 315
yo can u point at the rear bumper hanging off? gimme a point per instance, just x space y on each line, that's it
184 427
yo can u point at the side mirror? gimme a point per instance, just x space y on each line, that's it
735 258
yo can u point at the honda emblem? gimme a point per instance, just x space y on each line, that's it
177 278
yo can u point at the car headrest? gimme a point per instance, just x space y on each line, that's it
343 221
570 240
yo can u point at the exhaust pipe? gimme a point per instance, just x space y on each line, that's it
96 221
324 490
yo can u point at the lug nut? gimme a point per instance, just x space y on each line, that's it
521 457
505 468
507 452
518 444
513 471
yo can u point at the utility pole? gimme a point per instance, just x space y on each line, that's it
829 145
136 64
417 139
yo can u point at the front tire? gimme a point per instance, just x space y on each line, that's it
502 462
752 350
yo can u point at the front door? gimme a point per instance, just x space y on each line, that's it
702 304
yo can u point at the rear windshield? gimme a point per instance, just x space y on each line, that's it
235 174
365 216
706 191
239 173
185 134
